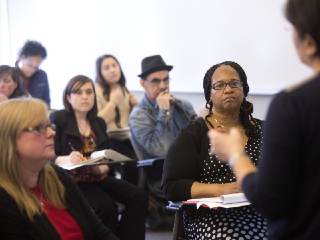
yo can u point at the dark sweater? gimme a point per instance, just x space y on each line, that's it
17 226
68 131
286 190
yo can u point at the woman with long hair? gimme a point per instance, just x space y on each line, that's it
285 189
79 132
191 171
38 200
115 103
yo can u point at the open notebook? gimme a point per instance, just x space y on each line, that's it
225 201
106 156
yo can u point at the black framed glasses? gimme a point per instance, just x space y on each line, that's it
157 81
220 85
41 128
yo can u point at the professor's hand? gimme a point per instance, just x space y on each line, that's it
223 145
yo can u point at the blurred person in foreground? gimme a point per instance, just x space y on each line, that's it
38 200
286 188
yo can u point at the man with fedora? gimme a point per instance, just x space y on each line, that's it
157 119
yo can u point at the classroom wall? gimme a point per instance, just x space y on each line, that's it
190 35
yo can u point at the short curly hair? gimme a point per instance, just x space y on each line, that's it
33 48
246 118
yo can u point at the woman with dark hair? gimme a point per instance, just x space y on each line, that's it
79 132
115 103
191 171
10 84
34 80
286 188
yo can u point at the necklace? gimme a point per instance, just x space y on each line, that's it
81 130
219 124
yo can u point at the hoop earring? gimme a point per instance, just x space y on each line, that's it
250 106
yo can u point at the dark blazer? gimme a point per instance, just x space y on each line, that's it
17 226
68 131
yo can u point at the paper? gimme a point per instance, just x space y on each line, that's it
225 201
106 156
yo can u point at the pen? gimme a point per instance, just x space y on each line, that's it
71 146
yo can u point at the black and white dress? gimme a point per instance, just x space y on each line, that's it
239 223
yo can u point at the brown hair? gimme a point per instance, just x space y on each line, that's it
78 81
7 70
106 88
304 15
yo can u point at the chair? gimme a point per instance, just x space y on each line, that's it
159 216
179 207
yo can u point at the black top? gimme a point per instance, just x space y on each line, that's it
67 131
17 226
286 190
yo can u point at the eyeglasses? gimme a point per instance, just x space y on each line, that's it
157 81
42 128
220 86
30 65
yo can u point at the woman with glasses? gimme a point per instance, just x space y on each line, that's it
79 132
115 103
35 80
38 200
191 171
286 187
10 84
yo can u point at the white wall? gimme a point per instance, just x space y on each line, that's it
190 35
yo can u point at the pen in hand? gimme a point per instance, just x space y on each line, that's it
71 146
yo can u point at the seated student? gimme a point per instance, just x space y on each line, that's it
79 132
10 84
35 80
38 200
115 103
191 171
158 118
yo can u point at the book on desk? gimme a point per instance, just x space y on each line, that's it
225 201
106 156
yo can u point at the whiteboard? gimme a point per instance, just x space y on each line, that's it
190 35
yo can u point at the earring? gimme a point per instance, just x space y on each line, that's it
209 103
250 106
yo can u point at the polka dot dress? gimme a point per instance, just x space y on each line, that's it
239 223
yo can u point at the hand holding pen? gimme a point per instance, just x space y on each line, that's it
74 156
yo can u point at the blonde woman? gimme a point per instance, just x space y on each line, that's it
38 200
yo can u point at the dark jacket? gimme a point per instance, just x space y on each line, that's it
68 131
17 226
39 86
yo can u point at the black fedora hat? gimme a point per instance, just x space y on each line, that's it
153 64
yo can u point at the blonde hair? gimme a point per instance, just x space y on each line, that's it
16 115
